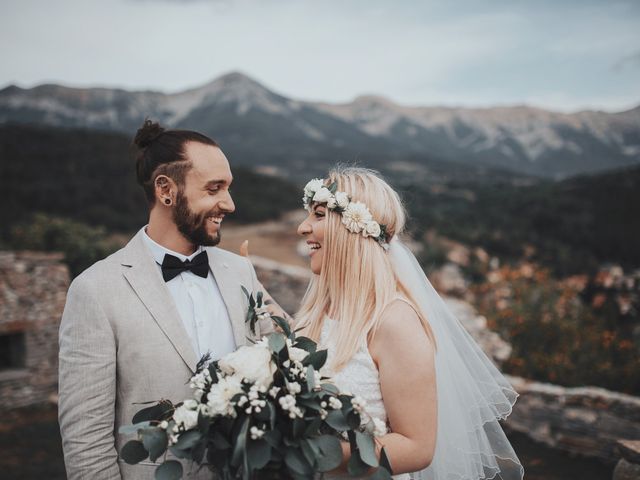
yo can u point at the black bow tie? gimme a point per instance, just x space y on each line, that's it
173 266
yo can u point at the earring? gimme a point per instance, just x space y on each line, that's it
167 201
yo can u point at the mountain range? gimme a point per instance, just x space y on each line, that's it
261 128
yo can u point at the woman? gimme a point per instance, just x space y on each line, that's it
392 340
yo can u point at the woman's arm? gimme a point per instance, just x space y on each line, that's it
405 357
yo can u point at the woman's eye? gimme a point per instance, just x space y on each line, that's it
319 214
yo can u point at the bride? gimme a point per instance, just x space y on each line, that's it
393 341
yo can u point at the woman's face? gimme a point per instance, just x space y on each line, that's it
313 228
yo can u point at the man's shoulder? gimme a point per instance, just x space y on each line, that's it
102 271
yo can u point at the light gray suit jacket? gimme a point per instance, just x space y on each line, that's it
122 342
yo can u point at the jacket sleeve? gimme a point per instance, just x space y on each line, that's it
87 387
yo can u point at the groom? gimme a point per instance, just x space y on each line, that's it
136 323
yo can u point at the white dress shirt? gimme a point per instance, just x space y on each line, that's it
199 304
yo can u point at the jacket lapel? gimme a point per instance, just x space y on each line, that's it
146 280
231 291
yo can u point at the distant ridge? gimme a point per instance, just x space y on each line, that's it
256 122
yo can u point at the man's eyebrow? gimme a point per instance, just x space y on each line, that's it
215 183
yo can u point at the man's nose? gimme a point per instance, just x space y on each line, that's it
227 204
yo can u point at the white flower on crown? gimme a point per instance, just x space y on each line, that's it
356 216
323 195
312 187
342 199
372 229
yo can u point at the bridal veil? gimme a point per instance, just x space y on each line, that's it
472 394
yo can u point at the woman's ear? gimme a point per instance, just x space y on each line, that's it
165 189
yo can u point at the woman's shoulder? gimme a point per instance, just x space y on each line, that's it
399 325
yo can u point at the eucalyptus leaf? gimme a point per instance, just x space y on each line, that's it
239 447
306 344
258 454
384 461
331 452
317 359
219 441
367 449
295 461
311 377
131 429
155 412
336 419
169 470
283 324
381 473
276 342
155 441
188 439
356 467
330 388
309 452
245 291
133 452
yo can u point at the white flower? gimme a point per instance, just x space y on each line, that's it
312 187
297 354
294 387
256 433
372 229
252 363
323 195
164 424
358 403
335 403
342 199
356 216
273 392
186 417
379 427
219 398
331 203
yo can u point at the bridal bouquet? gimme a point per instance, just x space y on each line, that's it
263 411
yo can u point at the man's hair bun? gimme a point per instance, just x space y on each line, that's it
147 134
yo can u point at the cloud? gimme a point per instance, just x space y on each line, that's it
627 62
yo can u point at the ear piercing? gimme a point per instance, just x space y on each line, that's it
167 201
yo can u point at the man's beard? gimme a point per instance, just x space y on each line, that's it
191 225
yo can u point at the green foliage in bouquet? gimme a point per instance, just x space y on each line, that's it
263 411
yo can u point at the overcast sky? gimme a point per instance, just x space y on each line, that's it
562 55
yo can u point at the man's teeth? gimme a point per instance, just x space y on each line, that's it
216 220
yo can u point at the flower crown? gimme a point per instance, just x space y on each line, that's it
355 215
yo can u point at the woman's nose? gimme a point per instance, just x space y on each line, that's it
304 228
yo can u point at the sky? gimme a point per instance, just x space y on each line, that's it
562 55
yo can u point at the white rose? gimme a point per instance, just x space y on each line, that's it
342 199
253 363
312 187
322 196
297 354
372 229
356 216
331 203
220 395
186 417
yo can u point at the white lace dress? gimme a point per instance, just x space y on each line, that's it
358 377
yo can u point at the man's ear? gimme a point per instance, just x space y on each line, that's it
165 190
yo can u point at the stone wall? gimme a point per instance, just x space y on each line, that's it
33 288
586 420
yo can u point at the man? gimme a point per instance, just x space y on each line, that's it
136 323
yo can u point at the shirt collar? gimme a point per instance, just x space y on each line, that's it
158 251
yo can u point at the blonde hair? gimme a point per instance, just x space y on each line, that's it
356 282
